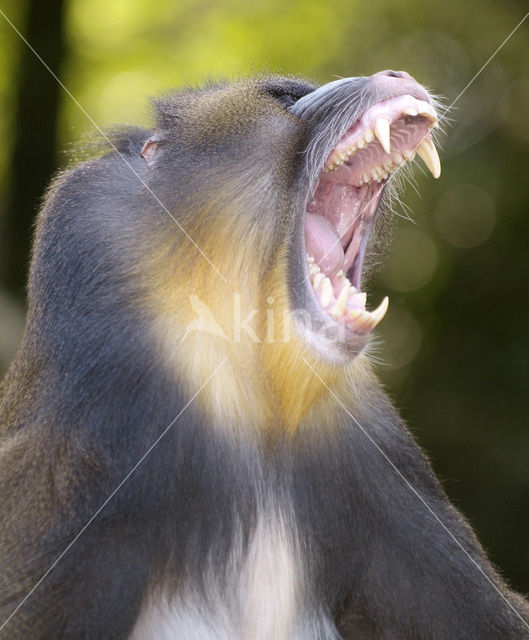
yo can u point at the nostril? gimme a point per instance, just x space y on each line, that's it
389 73
383 77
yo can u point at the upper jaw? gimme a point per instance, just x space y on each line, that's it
400 125
340 209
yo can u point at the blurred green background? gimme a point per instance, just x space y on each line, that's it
455 344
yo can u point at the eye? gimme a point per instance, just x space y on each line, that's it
285 97
288 93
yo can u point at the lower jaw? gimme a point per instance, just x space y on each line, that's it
337 228
331 341
338 306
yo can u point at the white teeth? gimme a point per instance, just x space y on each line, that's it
368 320
380 311
382 132
356 313
428 153
380 173
362 319
318 279
326 292
340 306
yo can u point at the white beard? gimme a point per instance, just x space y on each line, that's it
264 598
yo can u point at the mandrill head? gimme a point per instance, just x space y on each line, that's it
239 226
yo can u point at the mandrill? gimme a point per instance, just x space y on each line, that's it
194 445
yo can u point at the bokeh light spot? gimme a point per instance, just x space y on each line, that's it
125 93
465 215
413 262
515 110
402 337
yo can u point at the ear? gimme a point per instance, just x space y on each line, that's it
149 151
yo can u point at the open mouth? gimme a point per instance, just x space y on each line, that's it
339 217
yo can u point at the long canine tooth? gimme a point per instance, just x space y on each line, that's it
326 292
430 157
380 311
340 306
382 131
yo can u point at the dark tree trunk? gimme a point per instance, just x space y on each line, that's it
33 158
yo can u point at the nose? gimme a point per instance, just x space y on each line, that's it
391 83
389 73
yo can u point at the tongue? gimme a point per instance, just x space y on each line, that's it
323 243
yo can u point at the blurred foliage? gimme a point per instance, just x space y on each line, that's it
455 344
